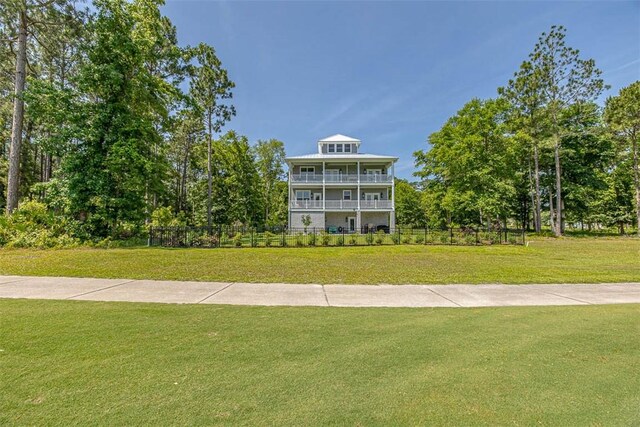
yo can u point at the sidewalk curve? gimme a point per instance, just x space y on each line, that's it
279 294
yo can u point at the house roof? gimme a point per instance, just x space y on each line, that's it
342 157
339 138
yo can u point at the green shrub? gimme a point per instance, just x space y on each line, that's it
353 239
407 239
237 240
340 240
369 238
444 238
470 239
311 239
299 239
324 238
419 239
395 238
380 237
268 239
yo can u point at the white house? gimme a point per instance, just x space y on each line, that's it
340 188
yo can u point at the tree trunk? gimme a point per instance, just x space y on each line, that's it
13 182
636 179
559 222
183 183
538 218
209 174
551 220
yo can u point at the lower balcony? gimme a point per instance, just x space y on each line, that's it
341 204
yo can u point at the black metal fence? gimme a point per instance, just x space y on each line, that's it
231 236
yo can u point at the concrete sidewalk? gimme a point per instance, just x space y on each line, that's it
68 288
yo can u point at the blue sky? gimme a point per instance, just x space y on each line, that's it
388 73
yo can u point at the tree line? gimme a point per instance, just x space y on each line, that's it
111 124
108 124
542 154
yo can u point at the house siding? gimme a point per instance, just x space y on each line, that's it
317 220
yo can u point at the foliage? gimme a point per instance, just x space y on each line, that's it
408 204
164 217
622 114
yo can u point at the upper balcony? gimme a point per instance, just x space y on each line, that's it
341 204
332 178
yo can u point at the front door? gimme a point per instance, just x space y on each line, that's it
352 224
372 196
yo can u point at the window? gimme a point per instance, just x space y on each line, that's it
303 195
346 194
332 148
338 148
347 148
307 169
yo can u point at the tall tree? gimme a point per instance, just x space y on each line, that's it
622 114
564 79
210 87
270 162
23 23
119 102
528 117
471 165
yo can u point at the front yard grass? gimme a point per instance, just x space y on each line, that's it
94 363
566 260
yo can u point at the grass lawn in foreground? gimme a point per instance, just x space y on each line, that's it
70 362
567 260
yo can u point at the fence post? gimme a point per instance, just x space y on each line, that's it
425 234
451 235
477 240
150 240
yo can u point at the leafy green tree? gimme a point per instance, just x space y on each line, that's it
622 114
236 194
25 23
118 101
270 162
588 154
562 80
408 204
210 87
471 165
527 120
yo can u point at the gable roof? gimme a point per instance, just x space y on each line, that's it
339 138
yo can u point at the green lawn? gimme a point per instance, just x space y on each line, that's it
568 260
70 362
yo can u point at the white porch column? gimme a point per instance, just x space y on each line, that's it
393 187
290 199
323 189
358 170
392 219
358 221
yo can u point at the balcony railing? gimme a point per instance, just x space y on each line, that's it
341 204
375 204
306 204
375 178
306 177
341 178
